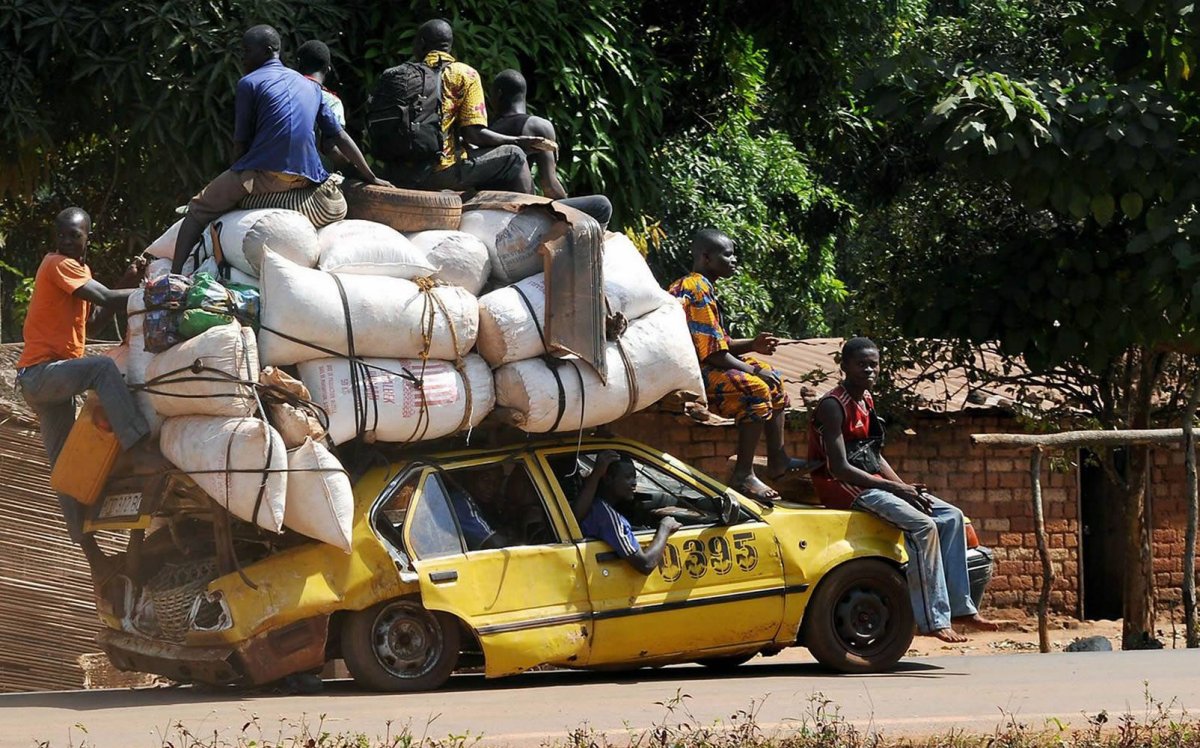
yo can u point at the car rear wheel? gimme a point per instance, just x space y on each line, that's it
859 620
399 646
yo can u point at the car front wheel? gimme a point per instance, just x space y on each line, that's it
859 620
400 646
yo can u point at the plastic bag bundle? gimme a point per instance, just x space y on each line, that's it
165 298
210 304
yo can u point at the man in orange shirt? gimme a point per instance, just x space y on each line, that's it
52 369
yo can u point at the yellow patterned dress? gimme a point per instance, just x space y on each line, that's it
732 393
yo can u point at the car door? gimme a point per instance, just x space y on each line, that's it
526 598
717 587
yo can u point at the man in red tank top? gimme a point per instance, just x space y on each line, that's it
855 475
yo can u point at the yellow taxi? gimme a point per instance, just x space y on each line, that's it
474 557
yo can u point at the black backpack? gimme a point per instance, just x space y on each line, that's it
404 115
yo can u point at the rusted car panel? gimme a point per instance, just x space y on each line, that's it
261 659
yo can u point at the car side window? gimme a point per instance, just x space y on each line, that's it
498 506
433 531
658 492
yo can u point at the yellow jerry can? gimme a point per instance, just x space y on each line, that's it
88 455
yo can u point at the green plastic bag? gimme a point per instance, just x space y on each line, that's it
209 304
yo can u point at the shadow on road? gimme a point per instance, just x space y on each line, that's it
462 683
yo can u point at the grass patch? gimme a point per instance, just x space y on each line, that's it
1162 725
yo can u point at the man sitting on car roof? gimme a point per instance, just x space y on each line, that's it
846 436
607 493
738 385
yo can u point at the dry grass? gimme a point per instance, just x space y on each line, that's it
822 726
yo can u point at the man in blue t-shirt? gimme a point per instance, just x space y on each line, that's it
277 113
610 486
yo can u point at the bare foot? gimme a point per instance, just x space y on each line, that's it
977 623
948 635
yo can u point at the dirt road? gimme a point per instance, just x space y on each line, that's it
923 696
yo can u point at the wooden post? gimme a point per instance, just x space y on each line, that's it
1139 610
1189 549
1039 527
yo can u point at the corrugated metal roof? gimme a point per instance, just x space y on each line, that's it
810 369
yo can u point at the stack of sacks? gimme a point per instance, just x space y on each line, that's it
203 392
656 346
373 298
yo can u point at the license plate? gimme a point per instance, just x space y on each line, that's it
121 505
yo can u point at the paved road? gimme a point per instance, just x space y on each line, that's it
924 696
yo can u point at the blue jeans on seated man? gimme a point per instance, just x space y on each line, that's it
937 556
50 389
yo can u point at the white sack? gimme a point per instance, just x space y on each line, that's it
164 246
120 356
370 248
662 358
509 328
139 358
389 316
158 268
230 274
393 404
320 501
246 234
512 240
176 390
629 284
199 445
459 258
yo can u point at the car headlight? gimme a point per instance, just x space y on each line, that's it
210 612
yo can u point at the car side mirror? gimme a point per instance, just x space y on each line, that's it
730 511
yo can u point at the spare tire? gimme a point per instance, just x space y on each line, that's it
403 210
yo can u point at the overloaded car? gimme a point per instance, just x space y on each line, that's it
474 557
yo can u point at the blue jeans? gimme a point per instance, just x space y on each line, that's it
937 556
50 390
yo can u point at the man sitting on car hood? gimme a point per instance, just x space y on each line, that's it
846 436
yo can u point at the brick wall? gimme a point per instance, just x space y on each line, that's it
990 485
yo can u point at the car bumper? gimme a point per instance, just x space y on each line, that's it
979 571
296 648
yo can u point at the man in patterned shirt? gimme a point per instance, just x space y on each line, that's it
738 385
495 162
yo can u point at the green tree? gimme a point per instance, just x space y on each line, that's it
1036 188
